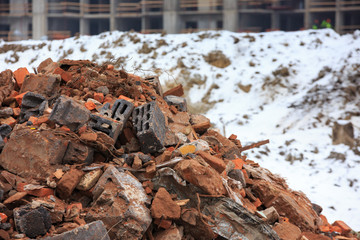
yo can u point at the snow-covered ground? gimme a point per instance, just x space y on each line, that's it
289 87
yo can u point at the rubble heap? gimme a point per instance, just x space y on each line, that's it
90 152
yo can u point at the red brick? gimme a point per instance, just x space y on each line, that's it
165 224
99 97
9 121
90 105
125 98
19 97
19 75
239 163
176 91
3 217
164 207
345 229
110 67
68 182
215 162
16 112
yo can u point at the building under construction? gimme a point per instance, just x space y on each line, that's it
54 19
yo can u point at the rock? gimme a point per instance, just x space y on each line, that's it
204 177
122 199
287 231
32 222
227 148
91 231
343 134
68 182
32 153
164 207
233 221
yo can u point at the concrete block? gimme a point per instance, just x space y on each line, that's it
121 110
107 125
69 113
149 124
33 104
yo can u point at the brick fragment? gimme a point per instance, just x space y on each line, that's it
33 104
200 123
176 91
163 207
19 75
90 105
99 97
287 231
215 162
178 102
345 229
46 85
68 182
19 97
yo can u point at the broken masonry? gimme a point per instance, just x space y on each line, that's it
91 152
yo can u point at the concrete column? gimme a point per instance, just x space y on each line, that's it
275 17
307 15
171 17
338 17
84 22
18 25
113 4
230 15
39 20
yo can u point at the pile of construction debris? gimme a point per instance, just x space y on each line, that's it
90 152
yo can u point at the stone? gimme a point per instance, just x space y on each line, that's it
69 113
122 199
33 153
47 66
215 162
91 231
89 179
233 221
164 207
33 104
32 222
287 231
68 182
208 179
6 112
343 134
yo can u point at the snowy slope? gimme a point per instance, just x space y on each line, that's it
287 87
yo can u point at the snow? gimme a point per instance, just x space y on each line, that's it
295 107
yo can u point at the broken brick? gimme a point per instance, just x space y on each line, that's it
163 207
176 91
99 97
68 182
345 229
90 105
19 75
215 162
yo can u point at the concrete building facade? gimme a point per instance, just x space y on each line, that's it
54 19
